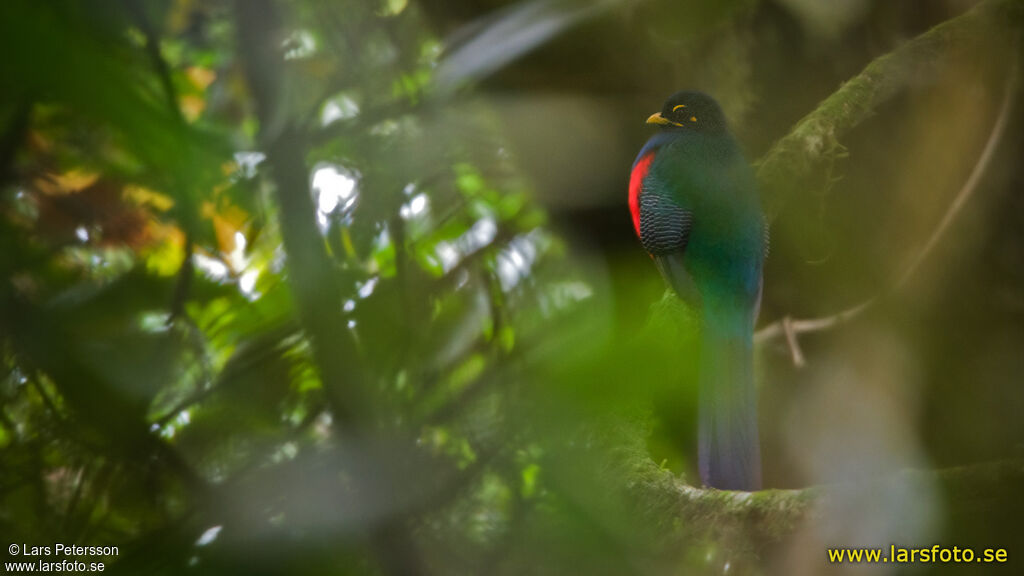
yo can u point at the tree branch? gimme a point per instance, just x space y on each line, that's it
791 328
771 515
754 519
792 160
317 293
316 290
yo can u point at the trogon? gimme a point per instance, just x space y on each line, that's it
697 212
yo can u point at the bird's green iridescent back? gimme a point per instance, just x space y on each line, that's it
708 175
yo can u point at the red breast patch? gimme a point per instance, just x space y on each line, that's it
636 180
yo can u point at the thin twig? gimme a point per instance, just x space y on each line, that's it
76 496
806 325
793 342
163 72
160 66
792 328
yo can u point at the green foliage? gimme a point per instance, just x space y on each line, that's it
156 358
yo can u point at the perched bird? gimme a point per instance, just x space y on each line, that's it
697 212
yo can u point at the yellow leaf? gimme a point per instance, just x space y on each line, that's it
200 77
164 256
74 180
226 222
234 216
146 197
192 106
225 234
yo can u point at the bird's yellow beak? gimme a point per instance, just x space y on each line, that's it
657 118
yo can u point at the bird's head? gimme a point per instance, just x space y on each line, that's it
689 110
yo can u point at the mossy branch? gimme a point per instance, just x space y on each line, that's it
770 515
752 520
791 328
792 160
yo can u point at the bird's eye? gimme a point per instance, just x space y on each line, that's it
678 107
693 118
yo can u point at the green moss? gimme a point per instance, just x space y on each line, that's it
815 139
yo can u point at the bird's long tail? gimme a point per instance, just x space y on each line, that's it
729 449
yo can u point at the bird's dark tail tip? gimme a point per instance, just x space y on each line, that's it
729 448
